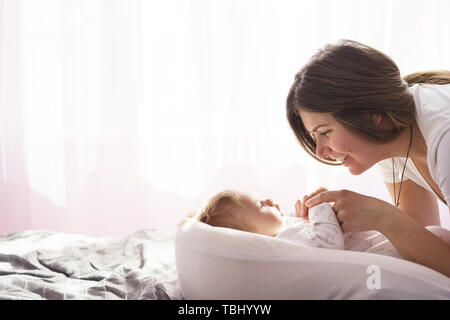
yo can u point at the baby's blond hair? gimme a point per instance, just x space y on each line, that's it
219 211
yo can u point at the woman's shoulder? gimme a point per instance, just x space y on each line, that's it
434 96
432 110
432 86
433 118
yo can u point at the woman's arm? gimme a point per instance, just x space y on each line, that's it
360 213
414 242
416 202
411 240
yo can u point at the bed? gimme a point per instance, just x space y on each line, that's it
39 264
202 262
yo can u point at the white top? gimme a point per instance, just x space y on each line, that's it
322 230
433 119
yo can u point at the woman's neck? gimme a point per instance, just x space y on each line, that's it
399 147
419 146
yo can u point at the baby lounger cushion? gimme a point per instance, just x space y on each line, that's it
222 263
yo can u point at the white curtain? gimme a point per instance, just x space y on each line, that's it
117 115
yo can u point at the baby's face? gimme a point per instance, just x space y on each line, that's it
260 216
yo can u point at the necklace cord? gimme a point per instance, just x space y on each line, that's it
397 200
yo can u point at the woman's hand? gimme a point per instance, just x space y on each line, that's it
300 209
356 212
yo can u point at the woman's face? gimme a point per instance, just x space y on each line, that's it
334 141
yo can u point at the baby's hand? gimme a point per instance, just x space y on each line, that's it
300 208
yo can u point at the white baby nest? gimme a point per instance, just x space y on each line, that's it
222 263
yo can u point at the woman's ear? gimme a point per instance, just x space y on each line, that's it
382 121
377 119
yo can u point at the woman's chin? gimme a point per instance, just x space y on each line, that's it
353 166
355 170
355 173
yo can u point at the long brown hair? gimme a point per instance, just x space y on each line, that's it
352 81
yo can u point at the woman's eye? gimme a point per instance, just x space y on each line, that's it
325 133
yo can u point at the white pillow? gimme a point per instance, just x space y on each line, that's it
222 263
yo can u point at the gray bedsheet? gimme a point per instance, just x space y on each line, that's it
50 265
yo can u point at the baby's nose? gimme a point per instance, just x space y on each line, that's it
268 202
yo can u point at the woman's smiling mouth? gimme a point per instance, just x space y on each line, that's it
343 159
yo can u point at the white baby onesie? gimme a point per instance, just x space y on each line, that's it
322 230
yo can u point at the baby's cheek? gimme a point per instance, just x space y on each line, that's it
280 222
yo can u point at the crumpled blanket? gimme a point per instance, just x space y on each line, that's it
52 265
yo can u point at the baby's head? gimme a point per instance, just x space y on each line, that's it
242 211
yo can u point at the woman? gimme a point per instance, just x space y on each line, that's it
349 106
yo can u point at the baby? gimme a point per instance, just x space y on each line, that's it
242 211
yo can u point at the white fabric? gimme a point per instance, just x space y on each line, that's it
89 90
433 119
222 263
376 242
321 231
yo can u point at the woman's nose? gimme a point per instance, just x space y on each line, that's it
322 151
